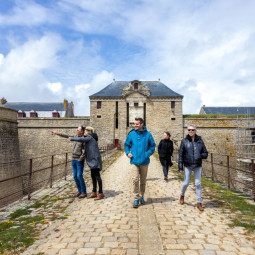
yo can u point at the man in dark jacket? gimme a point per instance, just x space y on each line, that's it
78 157
93 159
192 151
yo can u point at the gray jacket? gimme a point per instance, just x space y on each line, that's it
92 153
78 149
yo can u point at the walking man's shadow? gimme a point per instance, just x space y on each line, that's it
112 193
160 200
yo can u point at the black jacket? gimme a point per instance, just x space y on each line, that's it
165 151
165 148
192 153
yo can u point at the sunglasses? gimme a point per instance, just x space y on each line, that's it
191 129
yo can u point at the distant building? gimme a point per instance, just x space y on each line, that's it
227 110
41 110
114 108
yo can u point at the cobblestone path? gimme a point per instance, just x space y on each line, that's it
162 226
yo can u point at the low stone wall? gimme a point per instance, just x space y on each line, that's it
9 152
35 135
219 135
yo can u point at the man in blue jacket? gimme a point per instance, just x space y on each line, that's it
139 146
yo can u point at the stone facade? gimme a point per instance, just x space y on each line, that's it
9 152
113 116
161 117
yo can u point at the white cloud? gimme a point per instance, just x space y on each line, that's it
22 69
201 49
28 14
56 87
80 88
192 100
1 59
79 94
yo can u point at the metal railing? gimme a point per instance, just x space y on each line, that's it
237 173
35 173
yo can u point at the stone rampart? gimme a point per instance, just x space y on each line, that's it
35 135
219 135
9 152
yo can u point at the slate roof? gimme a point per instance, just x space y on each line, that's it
229 110
157 89
35 106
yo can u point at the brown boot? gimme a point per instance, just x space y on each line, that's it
200 207
92 195
182 200
99 196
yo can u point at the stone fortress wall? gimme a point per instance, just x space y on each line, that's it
9 152
218 134
31 137
35 135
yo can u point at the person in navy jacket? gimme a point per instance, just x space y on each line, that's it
192 152
139 146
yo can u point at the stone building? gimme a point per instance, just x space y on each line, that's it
114 108
41 109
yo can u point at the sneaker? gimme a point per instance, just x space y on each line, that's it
142 201
136 203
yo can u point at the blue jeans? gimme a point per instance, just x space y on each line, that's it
77 175
197 174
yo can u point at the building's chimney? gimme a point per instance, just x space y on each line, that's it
3 101
158 79
65 104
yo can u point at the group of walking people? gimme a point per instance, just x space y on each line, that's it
139 146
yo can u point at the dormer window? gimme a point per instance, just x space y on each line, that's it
136 85
55 114
21 114
33 114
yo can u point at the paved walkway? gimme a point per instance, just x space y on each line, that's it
162 226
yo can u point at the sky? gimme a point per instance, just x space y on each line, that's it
56 49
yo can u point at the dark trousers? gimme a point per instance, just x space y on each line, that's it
165 164
96 178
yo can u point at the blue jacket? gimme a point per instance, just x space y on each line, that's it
141 145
